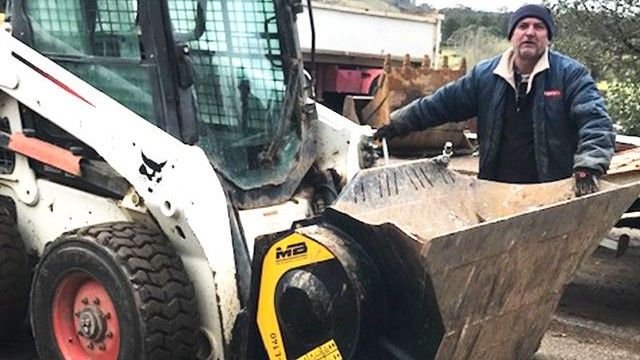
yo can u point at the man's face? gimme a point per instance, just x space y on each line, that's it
530 38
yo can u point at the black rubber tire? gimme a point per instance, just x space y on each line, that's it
14 278
153 297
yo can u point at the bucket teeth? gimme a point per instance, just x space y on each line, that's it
409 80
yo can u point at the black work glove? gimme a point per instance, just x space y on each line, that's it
388 132
586 181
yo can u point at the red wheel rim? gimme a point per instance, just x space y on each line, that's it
85 322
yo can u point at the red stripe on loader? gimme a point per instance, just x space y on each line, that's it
65 87
45 152
51 78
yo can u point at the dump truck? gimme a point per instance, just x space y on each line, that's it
348 59
173 193
367 76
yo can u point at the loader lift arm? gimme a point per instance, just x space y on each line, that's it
127 57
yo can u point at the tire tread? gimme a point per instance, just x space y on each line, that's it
14 277
167 299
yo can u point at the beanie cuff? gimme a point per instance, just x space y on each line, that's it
535 11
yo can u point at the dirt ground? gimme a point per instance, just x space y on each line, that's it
598 317
599 314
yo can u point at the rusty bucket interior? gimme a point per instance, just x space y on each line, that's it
398 86
473 268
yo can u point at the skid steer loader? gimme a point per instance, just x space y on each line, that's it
174 194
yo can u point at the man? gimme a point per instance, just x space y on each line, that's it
540 116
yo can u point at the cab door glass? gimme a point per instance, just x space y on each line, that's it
240 85
99 41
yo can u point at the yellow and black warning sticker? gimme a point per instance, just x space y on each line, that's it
326 351
293 251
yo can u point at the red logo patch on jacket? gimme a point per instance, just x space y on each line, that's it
552 93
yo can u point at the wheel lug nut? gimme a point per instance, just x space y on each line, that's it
109 334
102 347
85 301
77 314
96 301
107 316
90 346
80 333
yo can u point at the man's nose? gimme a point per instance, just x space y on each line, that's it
530 31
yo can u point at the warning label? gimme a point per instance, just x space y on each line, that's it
326 351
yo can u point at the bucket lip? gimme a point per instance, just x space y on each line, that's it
608 188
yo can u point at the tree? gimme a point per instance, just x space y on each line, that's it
450 26
605 36
462 17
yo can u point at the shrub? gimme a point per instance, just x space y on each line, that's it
623 103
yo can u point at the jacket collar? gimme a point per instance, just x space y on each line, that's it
505 68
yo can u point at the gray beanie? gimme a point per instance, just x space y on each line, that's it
536 11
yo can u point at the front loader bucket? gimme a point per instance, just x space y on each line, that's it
397 87
472 269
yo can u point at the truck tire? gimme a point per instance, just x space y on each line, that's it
14 278
113 291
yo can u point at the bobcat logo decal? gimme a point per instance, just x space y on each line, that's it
151 169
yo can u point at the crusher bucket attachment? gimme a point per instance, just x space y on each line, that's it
415 261
397 87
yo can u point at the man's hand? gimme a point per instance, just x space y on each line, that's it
586 182
388 132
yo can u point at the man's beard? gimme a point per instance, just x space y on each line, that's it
529 53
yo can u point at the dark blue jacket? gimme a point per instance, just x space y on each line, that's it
571 126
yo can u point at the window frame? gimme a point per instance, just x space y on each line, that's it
158 58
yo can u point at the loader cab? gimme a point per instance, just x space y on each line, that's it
225 75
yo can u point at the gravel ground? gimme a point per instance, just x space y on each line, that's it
598 317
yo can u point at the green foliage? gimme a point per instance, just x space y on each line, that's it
476 43
462 17
605 36
623 102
